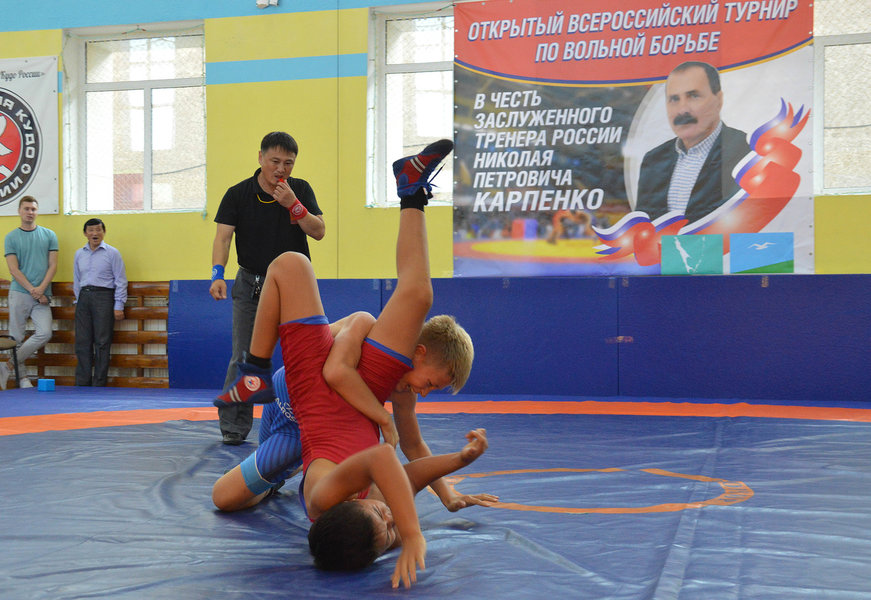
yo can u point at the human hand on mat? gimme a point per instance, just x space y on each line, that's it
410 557
476 447
465 500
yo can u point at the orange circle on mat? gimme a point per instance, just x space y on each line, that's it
733 492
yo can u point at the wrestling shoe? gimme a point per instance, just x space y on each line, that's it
415 172
253 385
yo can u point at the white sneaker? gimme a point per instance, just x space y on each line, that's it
25 383
4 375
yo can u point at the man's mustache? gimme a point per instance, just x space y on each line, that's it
685 119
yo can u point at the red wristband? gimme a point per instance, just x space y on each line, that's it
297 210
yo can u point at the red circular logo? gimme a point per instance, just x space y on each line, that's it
252 383
20 146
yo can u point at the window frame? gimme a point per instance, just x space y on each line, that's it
820 45
75 121
379 191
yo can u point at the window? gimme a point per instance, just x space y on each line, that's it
134 112
411 96
842 63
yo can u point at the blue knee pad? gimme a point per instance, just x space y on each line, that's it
253 481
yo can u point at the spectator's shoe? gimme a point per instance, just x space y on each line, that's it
4 375
25 383
415 172
253 385
231 438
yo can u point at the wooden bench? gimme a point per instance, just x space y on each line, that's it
139 357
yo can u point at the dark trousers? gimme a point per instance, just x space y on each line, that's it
240 418
95 323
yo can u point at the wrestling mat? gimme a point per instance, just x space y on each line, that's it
106 494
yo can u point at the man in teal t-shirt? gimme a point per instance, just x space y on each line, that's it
31 253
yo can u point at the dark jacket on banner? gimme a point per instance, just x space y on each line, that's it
713 186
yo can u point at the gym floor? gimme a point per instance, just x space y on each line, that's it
106 494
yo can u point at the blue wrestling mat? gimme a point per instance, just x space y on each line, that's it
594 506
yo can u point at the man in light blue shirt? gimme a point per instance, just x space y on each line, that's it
31 254
100 286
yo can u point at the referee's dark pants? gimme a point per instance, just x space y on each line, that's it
239 418
95 323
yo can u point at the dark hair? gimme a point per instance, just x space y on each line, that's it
279 139
27 199
710 71
92 222
343 538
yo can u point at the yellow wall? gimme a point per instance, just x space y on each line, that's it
328 119
326 116
843 243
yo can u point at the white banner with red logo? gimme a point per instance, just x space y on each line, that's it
29 133
571 119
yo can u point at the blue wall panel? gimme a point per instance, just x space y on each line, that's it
199 344
198 336
796 337
787 337
536 335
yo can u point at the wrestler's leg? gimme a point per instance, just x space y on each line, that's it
398 326
230 492
290 292
276 460
556 228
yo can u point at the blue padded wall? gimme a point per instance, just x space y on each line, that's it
536 335
199 340
790 337
796 337
199 328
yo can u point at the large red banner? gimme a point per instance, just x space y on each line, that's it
592 139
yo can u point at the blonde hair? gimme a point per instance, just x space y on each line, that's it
451 344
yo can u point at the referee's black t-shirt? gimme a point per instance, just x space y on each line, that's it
263 229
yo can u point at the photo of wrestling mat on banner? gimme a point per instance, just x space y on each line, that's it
653 138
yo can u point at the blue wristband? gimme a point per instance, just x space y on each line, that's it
217 272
